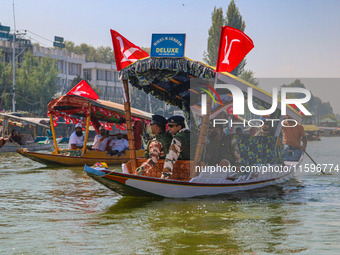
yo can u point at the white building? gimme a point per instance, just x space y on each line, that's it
69 64
105 78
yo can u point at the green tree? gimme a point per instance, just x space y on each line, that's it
36 83
101 54
210 56
5 85
248 76
234 19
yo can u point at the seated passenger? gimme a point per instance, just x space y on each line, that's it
77 138
218 147
15 138
158 147
118 145
100 140
265 130
180 144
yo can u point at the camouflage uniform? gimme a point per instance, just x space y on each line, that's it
157 148
179 149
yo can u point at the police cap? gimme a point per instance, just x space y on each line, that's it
176 119
158 120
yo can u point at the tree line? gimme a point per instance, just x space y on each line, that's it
35 84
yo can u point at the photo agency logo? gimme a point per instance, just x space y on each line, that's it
238 102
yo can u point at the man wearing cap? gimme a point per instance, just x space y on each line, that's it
77 138
100 140
158 147
180 144
118 145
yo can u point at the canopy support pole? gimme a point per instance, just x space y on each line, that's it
202 138
87 130
127 109
56 149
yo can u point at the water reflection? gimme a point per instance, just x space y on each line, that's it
212 225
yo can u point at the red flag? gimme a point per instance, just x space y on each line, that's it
125 51
234 46
83 89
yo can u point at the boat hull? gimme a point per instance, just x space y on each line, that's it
10 147
89 158
134 185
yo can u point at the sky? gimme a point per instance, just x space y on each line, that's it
293 39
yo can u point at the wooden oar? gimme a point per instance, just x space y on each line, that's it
17 145
314 162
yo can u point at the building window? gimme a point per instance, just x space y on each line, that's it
109 76
61 66
115 76
74 69
101 75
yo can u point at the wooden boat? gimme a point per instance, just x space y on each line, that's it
169 79
96 111
180 185
312 132
29 140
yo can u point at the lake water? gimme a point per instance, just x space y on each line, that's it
47 210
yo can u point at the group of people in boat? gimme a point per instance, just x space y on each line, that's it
171 146
175 144
102 141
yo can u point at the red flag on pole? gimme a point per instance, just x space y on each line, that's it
83 89
234 46
125 51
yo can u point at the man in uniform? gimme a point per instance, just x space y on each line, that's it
77 138
180 144
158 147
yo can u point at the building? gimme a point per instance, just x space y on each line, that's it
104 77
21 47
69 64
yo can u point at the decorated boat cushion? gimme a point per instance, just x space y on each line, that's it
73 153
259 150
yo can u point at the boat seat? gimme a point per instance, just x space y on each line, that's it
181 169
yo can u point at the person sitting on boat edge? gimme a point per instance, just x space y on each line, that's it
118 145
77 138
291 137
100 140
158 147
179 147
15 138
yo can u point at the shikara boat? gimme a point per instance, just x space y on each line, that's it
71 107
169 80
29 139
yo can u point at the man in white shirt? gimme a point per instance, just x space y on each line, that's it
117 145
100 140
77 138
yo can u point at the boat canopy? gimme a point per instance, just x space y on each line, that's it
22 121
310 128
168 79
101 110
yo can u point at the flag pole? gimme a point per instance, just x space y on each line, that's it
131 140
